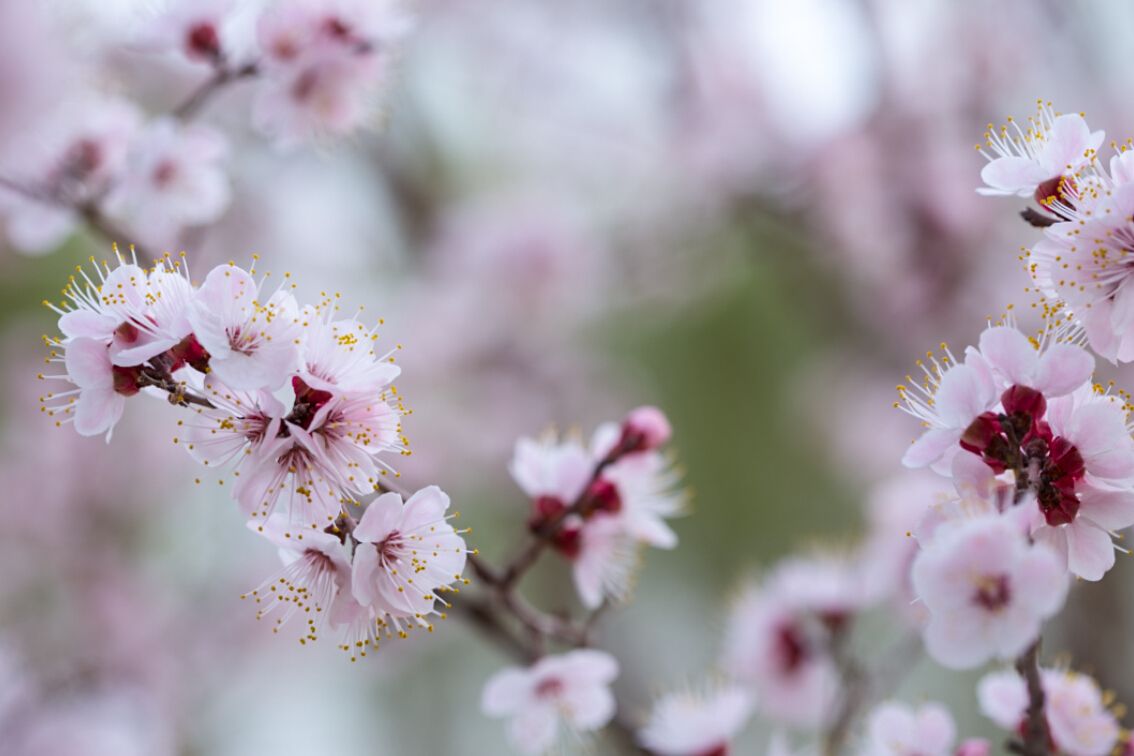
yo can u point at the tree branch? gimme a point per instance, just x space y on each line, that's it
222 76
1036 738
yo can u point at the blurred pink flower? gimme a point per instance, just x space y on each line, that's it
896 729
684 724
174 178
570 690
323 64
779 633
1077 716
987 590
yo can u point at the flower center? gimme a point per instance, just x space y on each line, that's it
549 687
791 647
390 548
1021 441
992 592
1057 189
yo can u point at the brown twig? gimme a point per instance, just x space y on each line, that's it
222 76
1036 741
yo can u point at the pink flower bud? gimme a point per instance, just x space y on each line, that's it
645 428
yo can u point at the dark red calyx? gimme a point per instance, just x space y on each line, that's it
544 510
1063 468
568 541
791 647
603 496
203 41
308 402
189 352
1023 400
127 333
126 379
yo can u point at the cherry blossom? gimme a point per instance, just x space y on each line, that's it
1077 716
407 553
686 724
191 27
173 180
779 633
987 590
1041 158
567 691
316 570
323 65
252 342
896 729
72 156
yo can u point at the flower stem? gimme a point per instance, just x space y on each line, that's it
1036 738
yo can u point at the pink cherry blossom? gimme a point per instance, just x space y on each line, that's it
553 473
316 570
232 431
71 157
779 633
895 509
1051 147
96 405
1081 261
407 553
604 558
896 729
644 485
252 342
685 724
569 691
946 399
173 179
987 590
323 66
1077 717
339 355
326 453
1095 427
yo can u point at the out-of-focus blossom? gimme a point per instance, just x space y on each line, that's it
987 590
604 501
1036 159
779 634
571 690
173 179
896 729
323 65
895 508
1078 719
74 153
685 724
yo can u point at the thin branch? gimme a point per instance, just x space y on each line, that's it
1036 739
222 77
177 392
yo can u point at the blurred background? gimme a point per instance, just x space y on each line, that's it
754 213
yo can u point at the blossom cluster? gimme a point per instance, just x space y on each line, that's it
316 69
295 403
